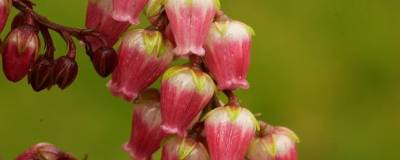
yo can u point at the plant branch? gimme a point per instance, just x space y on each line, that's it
81 34
233 99
196 62
50 49
71 52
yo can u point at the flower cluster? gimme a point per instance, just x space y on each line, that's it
185 117
20 49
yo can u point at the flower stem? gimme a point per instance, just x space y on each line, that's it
196 61
48 41
81 34
233 99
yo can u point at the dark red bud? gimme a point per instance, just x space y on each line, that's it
19 51
65 71
105 60
22 19
41 74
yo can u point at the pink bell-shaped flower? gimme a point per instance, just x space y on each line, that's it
128 10
99 16
143 56
185 92
178 148
273 143
229 131
5 6
190 21
228 53
146 133
19 52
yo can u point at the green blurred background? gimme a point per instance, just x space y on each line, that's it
328 69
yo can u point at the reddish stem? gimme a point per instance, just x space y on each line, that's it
196 131
233 99
81 34
160 22
71 52
48 41
221 16
196 62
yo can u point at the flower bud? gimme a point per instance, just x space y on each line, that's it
178 148
104 61
184 94
41 74
143 56
273 143
19 51
128 10
22 19
190 21
146 133
5 6
65 71
99 17
228 53
229 131
44 151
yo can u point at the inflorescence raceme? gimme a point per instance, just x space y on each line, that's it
186 113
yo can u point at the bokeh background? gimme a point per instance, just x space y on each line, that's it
328 69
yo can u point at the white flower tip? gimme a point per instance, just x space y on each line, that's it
126 18
198 51
172 130
236 115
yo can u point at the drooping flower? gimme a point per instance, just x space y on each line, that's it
104 60
146 133
185 92
5 6
178 148
128 10
143 56
229 131
273 143
44 151
99 17
19 51
190 21
65 71
228 53
41 75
